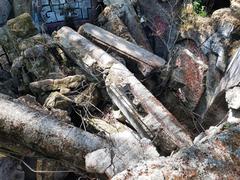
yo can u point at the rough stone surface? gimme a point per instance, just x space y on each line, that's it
22 26
217 149
4 62
89 98
34 58
58 101
231 77
212 34
11 169
213 77
21 6
196 27
233 98
5 9
70 82
235 6
226 22
13 32
110 21
215 156
131 149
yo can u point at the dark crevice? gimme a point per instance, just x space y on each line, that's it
213 5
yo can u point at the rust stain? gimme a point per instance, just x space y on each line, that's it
193 72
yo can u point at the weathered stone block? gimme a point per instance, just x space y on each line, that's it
233 98
22 26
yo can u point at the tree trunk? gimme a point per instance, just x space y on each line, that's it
45 134
78 149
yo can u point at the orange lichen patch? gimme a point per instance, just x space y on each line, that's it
176 175
230 144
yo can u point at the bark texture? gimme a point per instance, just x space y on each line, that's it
79 149
45 134
146 59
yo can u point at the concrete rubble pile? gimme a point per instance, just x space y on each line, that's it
119 89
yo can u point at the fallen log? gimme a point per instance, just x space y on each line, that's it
45 134
159 124
158 120
124 48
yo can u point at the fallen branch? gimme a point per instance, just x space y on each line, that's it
125 48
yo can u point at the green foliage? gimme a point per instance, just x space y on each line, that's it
199 8
227 125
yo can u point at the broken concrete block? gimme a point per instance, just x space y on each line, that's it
149 116
146 59
218 107
15 30
214 157
225 21
110 21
